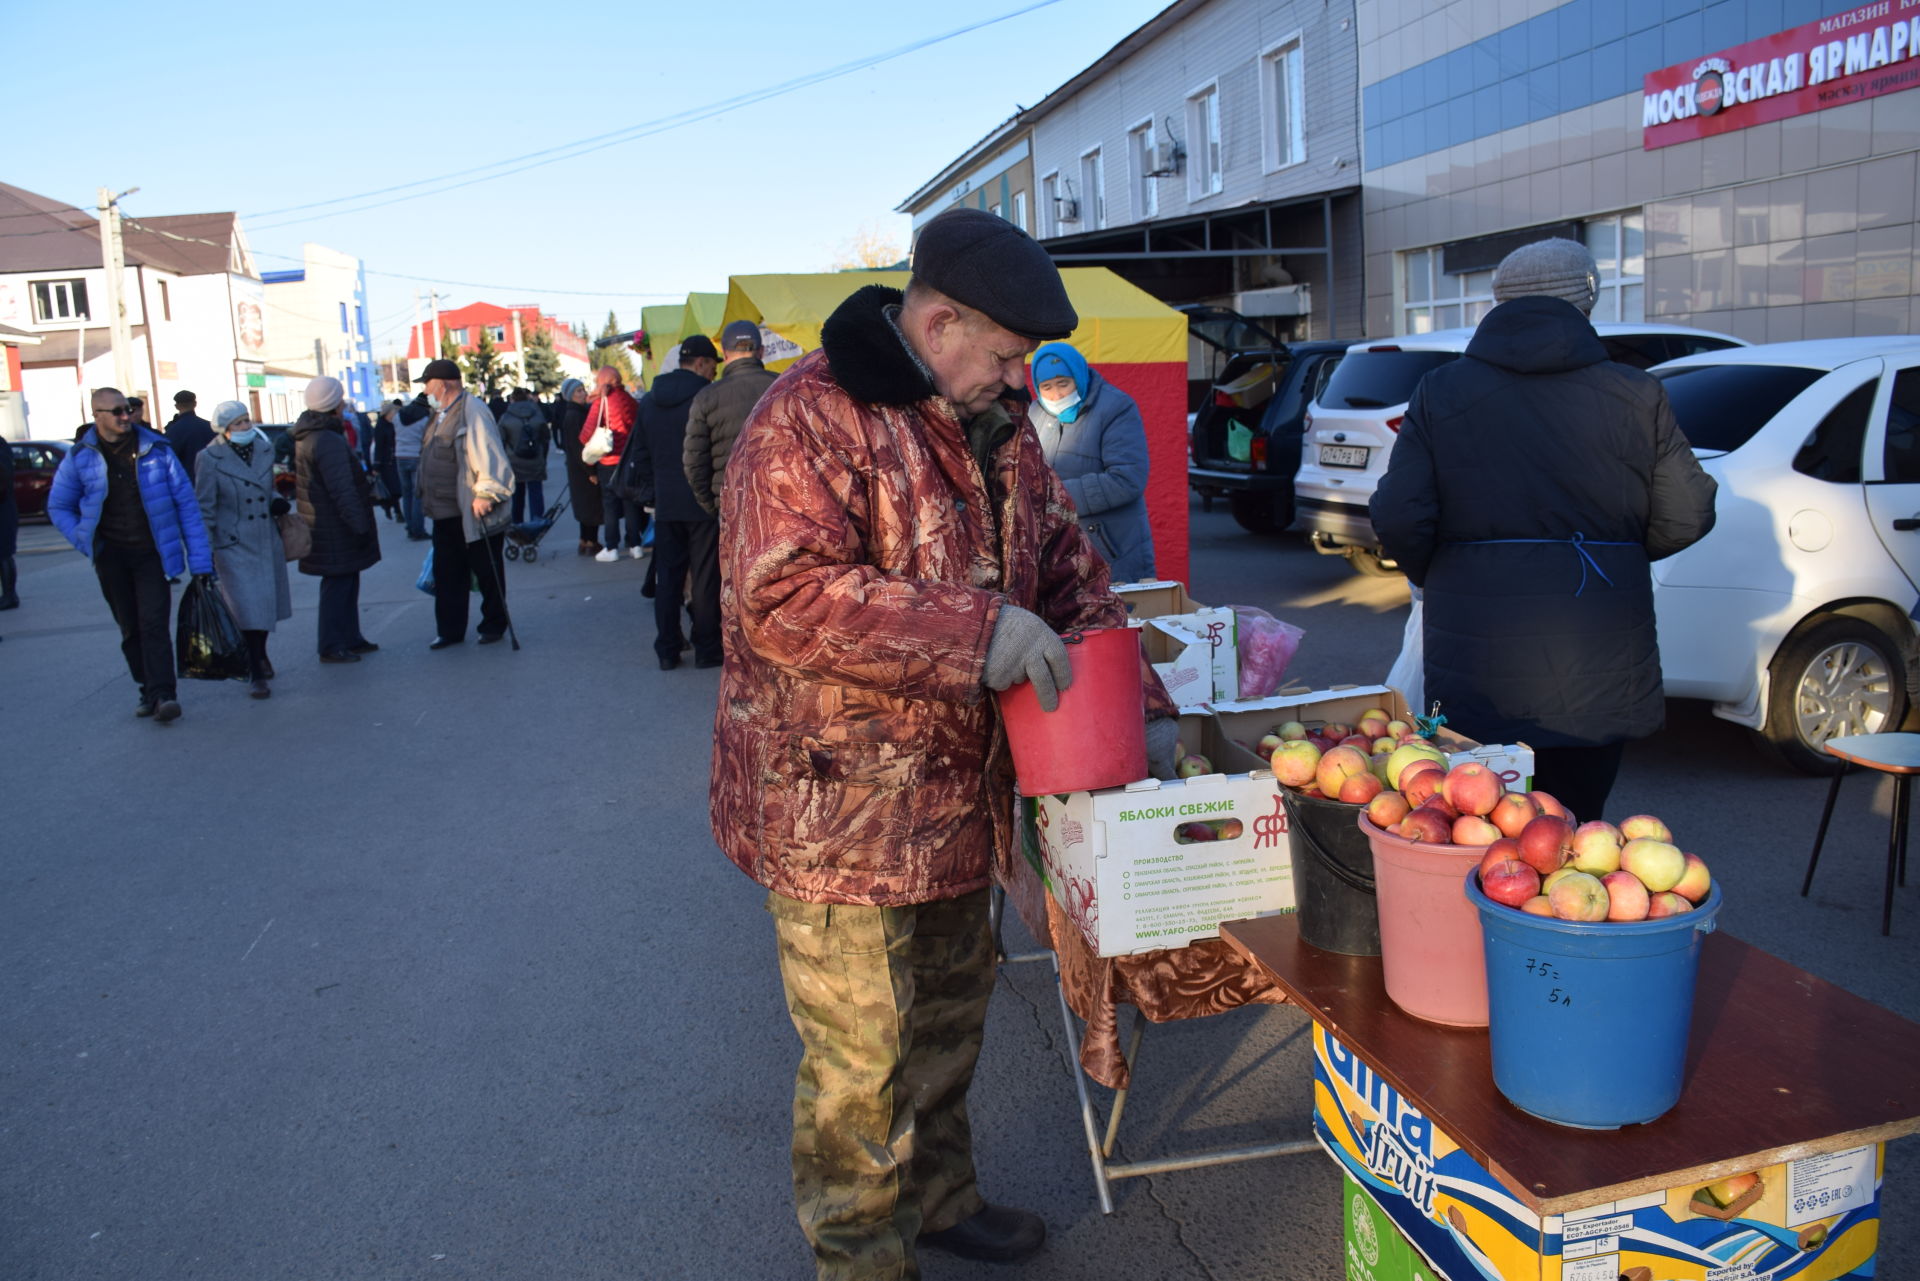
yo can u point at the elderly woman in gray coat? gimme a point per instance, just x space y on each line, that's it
233 480
1092 435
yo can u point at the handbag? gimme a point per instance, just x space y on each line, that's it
600 440
295 534
208 645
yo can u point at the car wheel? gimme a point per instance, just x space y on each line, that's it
1258 513
1368 562
1840 676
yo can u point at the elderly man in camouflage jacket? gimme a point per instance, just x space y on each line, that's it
894 546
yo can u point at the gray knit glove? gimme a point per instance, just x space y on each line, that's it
1024 648
1163 746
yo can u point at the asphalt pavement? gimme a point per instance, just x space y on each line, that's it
428 967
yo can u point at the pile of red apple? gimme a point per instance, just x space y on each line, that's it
1352 763
1539 858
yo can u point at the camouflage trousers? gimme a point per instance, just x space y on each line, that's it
890 1003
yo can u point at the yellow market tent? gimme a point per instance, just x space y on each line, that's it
1137 342
662 322
1119 323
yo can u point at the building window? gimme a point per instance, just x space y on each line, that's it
1432 299
1020 210
1050 206
1206 171
497 332
60 300
166 301
996 210
459 336
1093 190
1140 148
1282 93
1618 246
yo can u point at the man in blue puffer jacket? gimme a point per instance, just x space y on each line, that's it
1092 435
124 500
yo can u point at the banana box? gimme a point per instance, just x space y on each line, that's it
1813 1219
1160 864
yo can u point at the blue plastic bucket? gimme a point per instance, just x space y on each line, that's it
1589 1022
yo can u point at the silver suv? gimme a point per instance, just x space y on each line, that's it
1349 431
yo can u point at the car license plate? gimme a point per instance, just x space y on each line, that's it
1343 456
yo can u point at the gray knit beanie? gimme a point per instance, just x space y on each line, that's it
228 411
1556 268
570 386
324 394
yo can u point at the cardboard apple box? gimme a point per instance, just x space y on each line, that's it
1164 605
1182 661
1240 726
1220 628
1155 598
1115 861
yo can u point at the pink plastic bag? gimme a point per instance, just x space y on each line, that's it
1267 645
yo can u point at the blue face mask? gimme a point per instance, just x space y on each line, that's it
247 437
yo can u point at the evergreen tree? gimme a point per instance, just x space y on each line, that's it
485 372
542 363
615 355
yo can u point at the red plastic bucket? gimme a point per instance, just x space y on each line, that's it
1430 950
1097 737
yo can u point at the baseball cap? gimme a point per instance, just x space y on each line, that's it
441 368
741 335
696 345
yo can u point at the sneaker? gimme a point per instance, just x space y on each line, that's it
339 656
636 553
260 689
145 707
606 556
165 710
364 647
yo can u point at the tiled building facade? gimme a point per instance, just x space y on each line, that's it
1490 121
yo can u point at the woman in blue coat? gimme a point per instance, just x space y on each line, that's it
1091 432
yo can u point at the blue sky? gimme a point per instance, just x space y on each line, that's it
262 107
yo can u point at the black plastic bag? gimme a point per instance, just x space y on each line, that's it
207 643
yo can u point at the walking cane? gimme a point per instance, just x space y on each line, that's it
486 542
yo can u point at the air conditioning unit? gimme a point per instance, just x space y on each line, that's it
1069 208
1167 157
1281 300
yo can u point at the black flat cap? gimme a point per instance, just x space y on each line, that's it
986 262
696 345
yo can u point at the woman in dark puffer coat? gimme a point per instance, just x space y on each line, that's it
336 500
1532 484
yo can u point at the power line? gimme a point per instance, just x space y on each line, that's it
631 133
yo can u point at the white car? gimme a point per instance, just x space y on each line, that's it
1351 427
1794 616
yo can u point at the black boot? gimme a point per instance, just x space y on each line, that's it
9 580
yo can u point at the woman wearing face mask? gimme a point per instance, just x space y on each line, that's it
1091 433
233 479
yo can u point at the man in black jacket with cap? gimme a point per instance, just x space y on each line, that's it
686 537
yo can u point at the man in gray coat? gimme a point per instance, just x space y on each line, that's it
720 410
465 481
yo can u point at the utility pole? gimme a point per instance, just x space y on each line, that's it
519 351
319 358
433 305
114 259
416 335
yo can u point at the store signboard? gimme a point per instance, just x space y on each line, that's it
1848 57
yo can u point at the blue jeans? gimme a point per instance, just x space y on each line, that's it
410 497
529 492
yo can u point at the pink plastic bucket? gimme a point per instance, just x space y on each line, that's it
1097 737
1430 947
